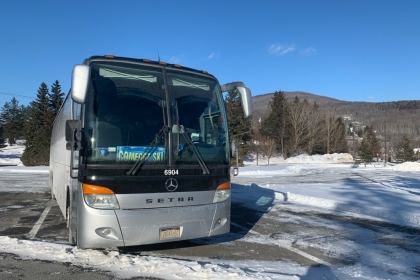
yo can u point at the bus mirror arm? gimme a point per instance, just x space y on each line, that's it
244 92
234 149
234 171
235 154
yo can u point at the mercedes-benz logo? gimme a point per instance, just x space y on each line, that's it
171 184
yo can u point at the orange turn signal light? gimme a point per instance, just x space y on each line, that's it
92 189
224 186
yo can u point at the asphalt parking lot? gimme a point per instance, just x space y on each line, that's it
35 216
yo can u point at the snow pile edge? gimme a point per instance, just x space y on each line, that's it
399 218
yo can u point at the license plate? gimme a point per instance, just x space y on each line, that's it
169 233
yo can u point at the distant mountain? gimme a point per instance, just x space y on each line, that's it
398 117
260 102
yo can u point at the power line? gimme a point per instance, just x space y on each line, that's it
19 95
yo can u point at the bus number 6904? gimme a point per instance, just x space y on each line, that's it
171 172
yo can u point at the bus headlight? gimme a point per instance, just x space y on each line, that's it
102 201
222 193
99 197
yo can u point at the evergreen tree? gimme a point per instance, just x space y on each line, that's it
38 128
275 125
405 150
339 143
56 98
239 126
12 120
365 151
1 137
370 146
374 142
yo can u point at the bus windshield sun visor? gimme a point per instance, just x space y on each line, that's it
148 152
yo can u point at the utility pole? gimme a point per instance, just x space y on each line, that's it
386 150
259 139
354 148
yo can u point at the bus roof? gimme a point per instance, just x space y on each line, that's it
144 60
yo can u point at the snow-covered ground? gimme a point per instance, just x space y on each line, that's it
394 196
391 194
10 155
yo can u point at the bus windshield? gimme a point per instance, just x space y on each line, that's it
129 105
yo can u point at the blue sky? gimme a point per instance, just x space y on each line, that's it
349 50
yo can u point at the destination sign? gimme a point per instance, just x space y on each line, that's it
134 153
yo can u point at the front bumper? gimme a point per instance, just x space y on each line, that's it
115 228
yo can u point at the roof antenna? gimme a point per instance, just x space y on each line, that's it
158 54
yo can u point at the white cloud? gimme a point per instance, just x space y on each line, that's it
212 55
309 51
280 50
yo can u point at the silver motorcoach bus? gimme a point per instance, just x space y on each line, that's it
140 153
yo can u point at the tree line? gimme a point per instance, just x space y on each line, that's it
372 147
295 127
33 123
290 128
397 118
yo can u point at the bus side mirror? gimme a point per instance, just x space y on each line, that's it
246 100
80 83
245 95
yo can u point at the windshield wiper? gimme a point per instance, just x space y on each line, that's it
180 130
148 152
196 152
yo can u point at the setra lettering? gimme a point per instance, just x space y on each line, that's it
171 199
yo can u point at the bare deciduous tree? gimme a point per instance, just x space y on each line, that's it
268 147
298 124
316 127
329 130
